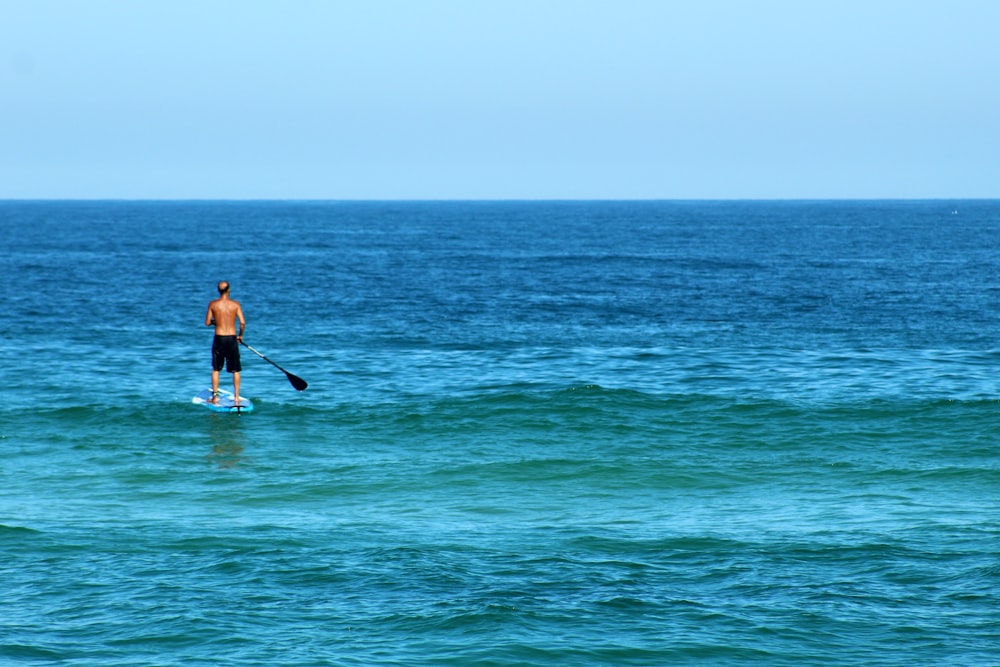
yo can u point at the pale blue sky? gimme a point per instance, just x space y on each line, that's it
484 99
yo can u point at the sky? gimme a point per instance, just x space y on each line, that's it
499 99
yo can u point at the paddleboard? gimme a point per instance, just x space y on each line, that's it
225 403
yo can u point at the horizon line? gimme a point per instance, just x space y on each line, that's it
484 199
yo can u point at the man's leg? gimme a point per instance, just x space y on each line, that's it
236 388
215 386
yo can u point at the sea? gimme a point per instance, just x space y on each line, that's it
571 433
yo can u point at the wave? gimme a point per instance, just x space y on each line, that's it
532 407
17 531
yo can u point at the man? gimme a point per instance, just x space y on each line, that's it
223 314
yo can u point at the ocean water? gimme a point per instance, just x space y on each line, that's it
535 433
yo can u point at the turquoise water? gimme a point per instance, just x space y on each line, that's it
566 433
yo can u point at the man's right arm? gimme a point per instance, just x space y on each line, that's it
243 322
209 320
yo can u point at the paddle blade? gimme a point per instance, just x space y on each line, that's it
297 382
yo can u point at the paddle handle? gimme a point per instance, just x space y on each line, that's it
263 357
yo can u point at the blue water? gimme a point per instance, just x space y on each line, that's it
535 433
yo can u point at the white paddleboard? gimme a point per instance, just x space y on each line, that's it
225 403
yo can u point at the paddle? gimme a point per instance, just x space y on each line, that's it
296 381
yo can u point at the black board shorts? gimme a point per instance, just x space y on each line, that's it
226 349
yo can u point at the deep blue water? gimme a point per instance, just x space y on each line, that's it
536 433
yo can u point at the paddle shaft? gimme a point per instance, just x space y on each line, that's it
296 381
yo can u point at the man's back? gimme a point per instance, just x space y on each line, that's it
225 311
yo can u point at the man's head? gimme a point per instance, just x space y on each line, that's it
223 287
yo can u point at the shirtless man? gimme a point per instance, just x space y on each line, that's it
223 314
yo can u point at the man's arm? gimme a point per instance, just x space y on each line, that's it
209 319
243 322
